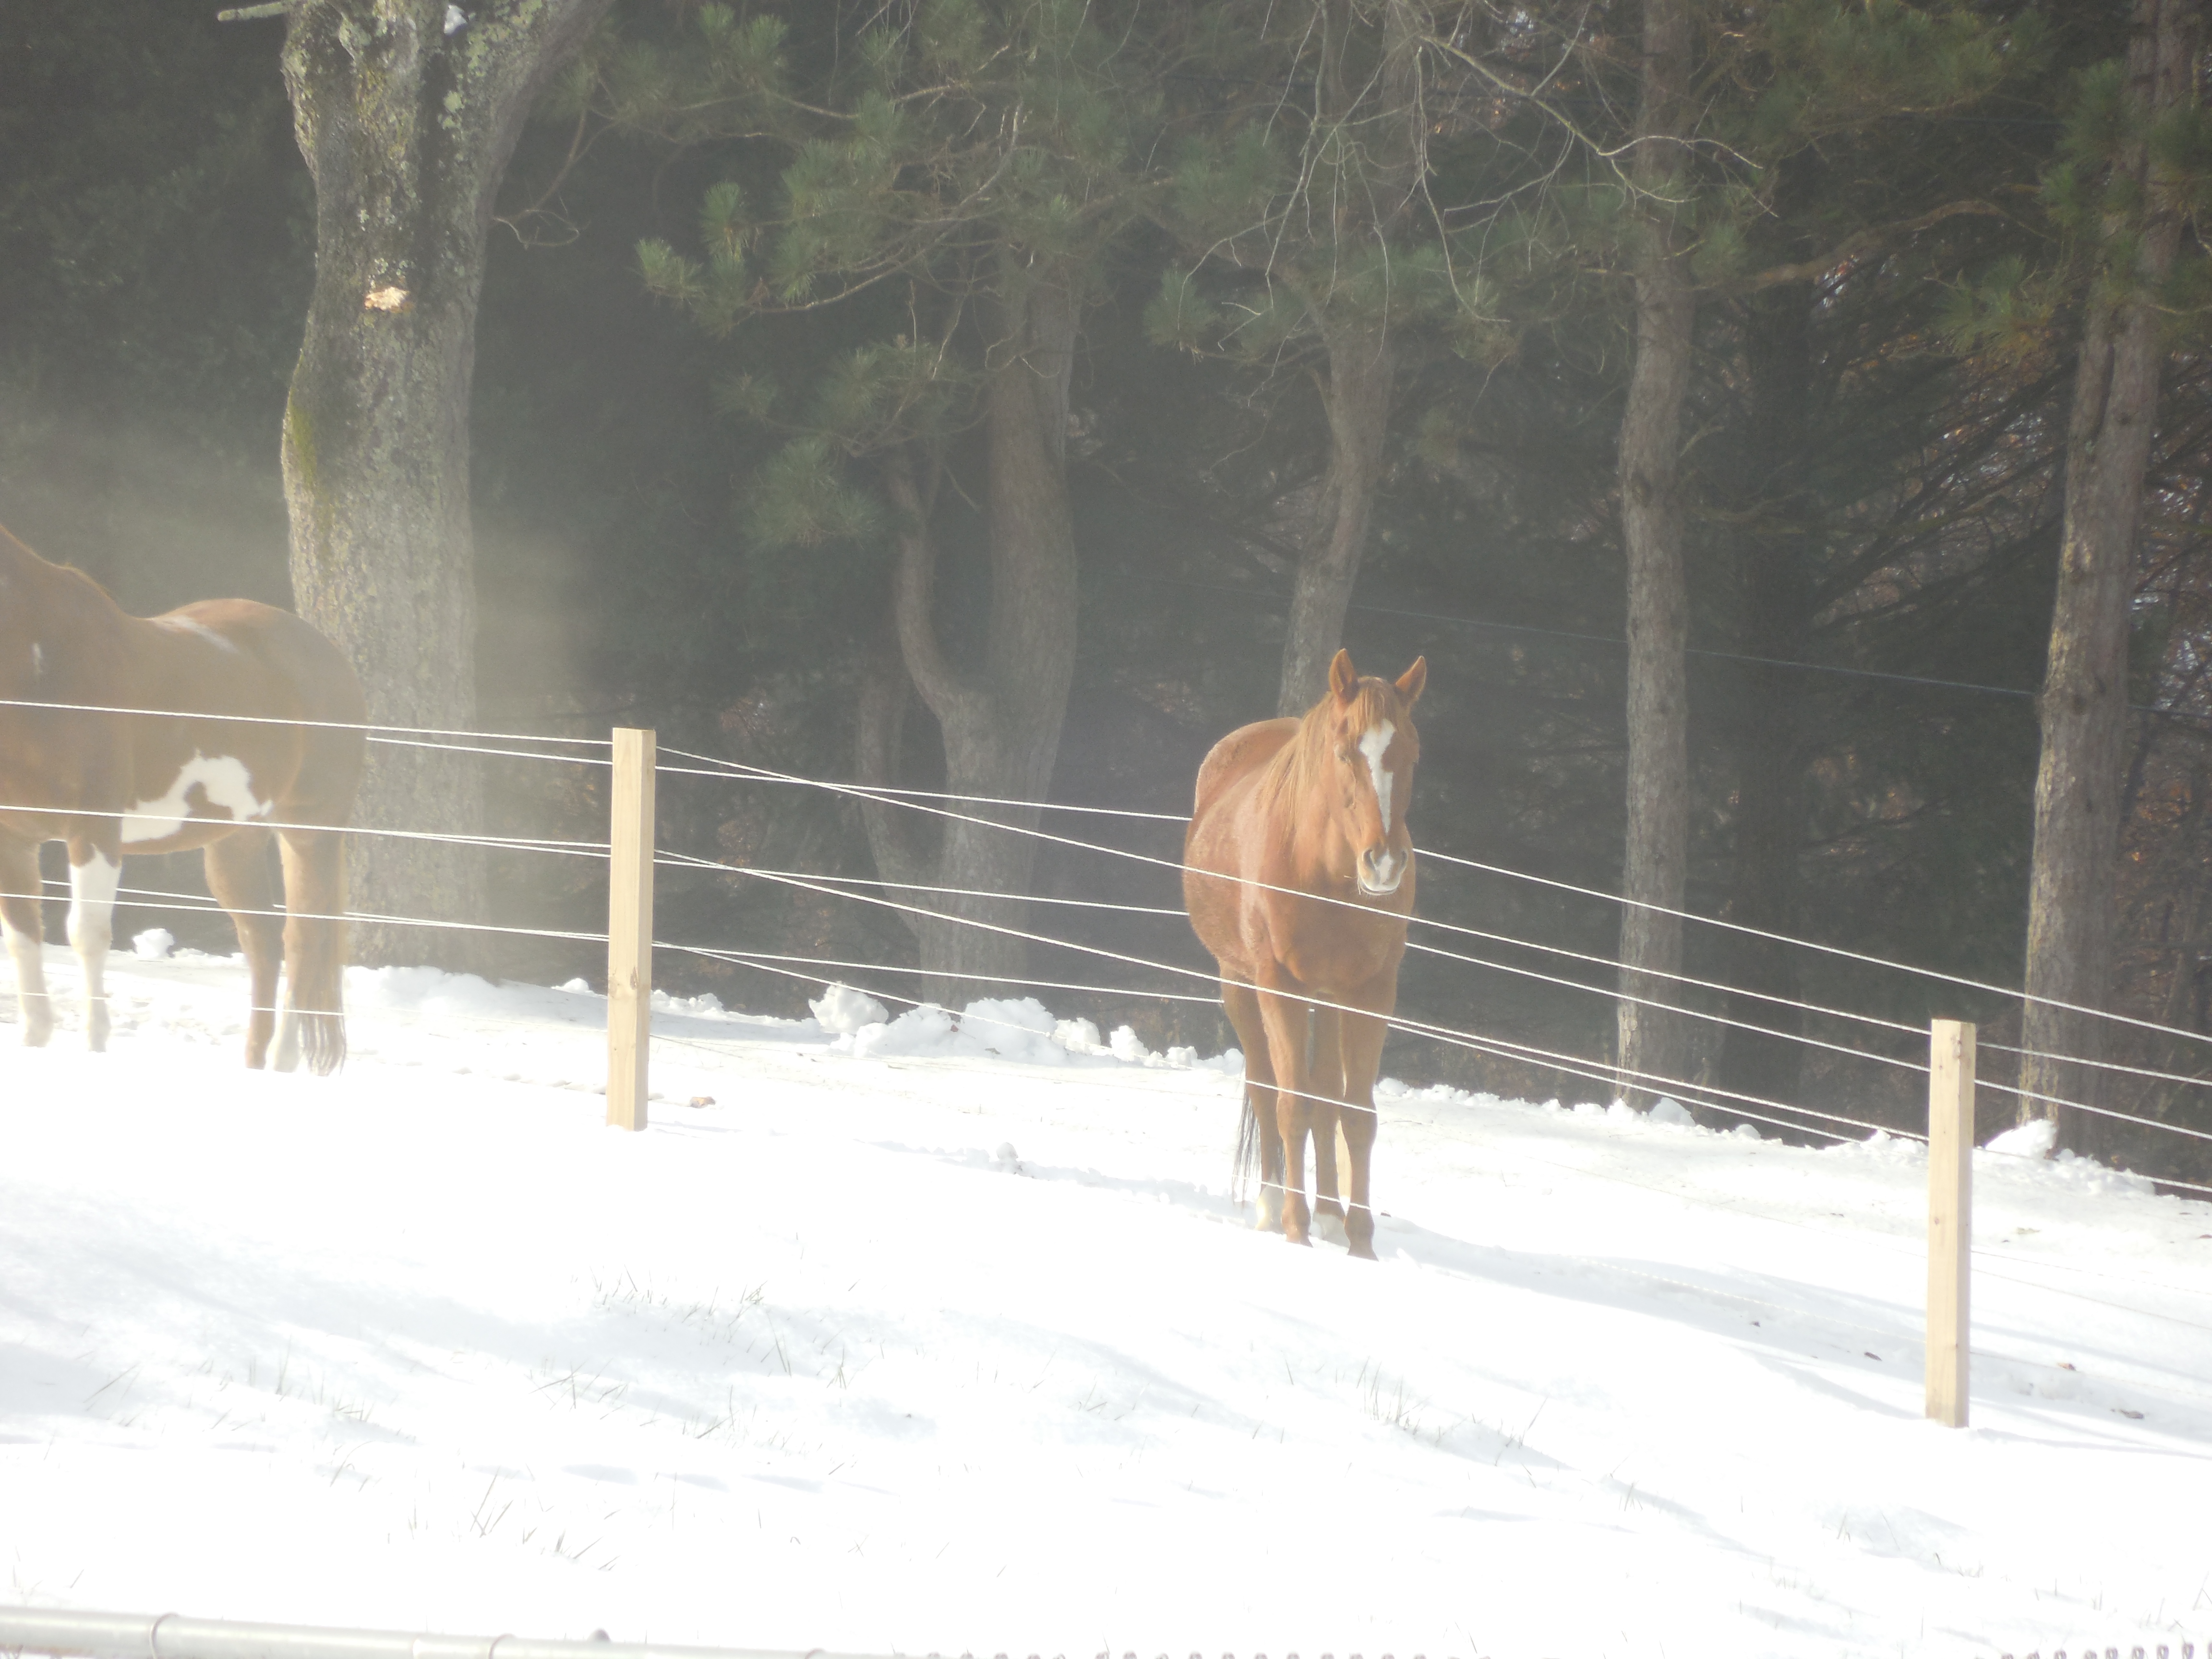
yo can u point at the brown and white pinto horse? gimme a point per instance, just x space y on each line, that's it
1298 876
108 784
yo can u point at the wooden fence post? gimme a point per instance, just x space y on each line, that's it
629 929
1950 1214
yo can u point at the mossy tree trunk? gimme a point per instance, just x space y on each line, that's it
406 112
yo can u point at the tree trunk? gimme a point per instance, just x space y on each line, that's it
2073 884
1370 146
1770 774
1656 865
1000 720
407 129
1357 398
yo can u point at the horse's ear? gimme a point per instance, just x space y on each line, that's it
1343 677
1410 683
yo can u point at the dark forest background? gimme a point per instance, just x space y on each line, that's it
156 253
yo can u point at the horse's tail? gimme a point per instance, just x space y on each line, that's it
315 949
1247 1152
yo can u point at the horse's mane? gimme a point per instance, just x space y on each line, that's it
1299 764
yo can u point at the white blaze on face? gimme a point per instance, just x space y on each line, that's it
1375 744
224 780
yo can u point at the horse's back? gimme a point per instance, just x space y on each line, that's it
1221 841
1237 756
283 666
311 669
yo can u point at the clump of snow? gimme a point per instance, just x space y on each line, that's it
926 1029
842 1010
1019 1028
705 1005
1666 1110
1078 1036
580 985
1126 1046
421 988
153 944
2028 1140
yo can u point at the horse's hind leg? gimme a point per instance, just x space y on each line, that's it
313 1020
20 920
1325 1079
238 876
1363 1058
94 872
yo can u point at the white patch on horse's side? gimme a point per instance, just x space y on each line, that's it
186 625
91 928
1375 744
227 782
38 660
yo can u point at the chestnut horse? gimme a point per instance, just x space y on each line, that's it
1298 876
112 783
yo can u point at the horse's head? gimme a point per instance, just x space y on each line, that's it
1366 725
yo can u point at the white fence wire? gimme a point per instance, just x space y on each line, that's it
1752 1107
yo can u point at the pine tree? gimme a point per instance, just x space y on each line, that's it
957 179
2137 148
1310 246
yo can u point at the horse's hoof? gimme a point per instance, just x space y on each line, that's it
1330 1226
1270 1218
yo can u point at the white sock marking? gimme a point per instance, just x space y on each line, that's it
284 1054
91 926
31 1005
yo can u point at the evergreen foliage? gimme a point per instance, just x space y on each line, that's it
762 248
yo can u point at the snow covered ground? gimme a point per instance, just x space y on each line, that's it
900 1345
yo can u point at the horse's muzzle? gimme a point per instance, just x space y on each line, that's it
1380 870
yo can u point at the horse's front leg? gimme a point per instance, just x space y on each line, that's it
20 920
1286 1018
1326 1082
1363 1058
94 870
1243 1005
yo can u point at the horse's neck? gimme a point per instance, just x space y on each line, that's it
1317 848
17 562
57 625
